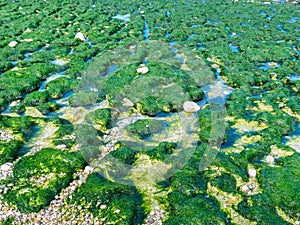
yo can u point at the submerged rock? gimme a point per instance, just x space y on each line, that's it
190 106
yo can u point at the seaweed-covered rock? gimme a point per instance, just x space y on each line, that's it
30 192
144 128
83 99
36 98
9 151
100 117
196 210
105 197
152 106
58 87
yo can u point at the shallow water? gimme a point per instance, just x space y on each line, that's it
124 18
50 78
146 31
293 139
269 65
234 48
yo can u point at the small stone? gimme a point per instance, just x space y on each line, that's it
142 70
190 106
62 147
252 172
89 169
27 40
103 206
245 189
117 211
13 44
252 186
270 159
80 36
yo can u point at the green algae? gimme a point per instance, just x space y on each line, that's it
144 128
29 195
106 197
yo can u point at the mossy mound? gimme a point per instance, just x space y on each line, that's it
31 193
118 203
142 129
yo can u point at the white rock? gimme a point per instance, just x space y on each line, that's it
252 172
103 206
89 169
142 70
62 146
80 36
27 40
190 106
245 189
270 159
13 44
5 167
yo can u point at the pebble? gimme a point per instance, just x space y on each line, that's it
252 172
245 189
80 36
143 70
270 159
13 44
190 106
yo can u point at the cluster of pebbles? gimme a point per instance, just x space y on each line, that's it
156 216
6 135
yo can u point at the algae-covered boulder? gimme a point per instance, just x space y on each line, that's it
83 99
144 128
197 210
152 106
100 117
58 87
38 178
36 98
105 197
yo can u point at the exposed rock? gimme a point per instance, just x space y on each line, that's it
13 44
142 70
252 172
80 36
190 106
270 159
